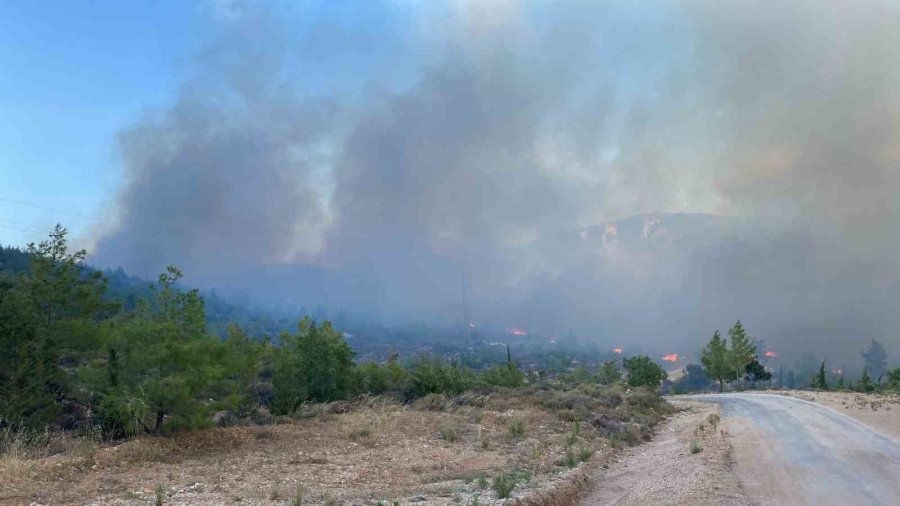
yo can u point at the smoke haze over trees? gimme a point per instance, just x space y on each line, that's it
364 158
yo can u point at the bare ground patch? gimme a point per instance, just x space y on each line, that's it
683 465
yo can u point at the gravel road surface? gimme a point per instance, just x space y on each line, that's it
792 451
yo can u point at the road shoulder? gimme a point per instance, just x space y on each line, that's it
665 471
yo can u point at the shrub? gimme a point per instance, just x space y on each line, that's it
585 454
571 459
642 371
695 447
299 498
160 495
448 433
516 427
504 484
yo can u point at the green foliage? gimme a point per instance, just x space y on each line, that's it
315 364
160 363
430 375
642 371
742 349
571 460
516 427
723 363
695 447
715 360
694 379
47 314
504 484
865 382
382 378
609 373
820 381
504 375
754 371
894 378
875 360
448 433
160 498
585 454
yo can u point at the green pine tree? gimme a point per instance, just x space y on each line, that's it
742 349
715 360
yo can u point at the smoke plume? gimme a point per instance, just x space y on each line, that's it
364 160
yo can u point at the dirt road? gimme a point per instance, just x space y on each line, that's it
792 451
666 471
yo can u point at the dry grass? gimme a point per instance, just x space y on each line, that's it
368 451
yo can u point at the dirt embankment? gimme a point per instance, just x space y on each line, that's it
669 471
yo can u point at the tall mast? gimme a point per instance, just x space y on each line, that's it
467 320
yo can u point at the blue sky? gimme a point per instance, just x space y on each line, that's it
71 75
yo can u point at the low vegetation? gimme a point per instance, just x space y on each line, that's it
78 370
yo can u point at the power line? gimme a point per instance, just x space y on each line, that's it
20 223
46 208
13 227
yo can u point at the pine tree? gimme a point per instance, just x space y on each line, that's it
820 381
875 359
715 360
742 349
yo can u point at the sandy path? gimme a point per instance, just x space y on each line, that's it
792 451
664 471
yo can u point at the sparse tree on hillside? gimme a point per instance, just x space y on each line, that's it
820 380
875 359
642 371
715 360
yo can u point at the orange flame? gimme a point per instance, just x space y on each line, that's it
517 332
671 357
618 350
771 354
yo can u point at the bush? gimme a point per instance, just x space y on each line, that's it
695 447
642 371
585 454
516 427
504 484
448 433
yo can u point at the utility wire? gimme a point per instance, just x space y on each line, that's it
20 223
11 201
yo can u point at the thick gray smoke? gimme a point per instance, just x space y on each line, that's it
487 135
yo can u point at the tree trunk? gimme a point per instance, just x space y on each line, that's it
159 420
721 385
